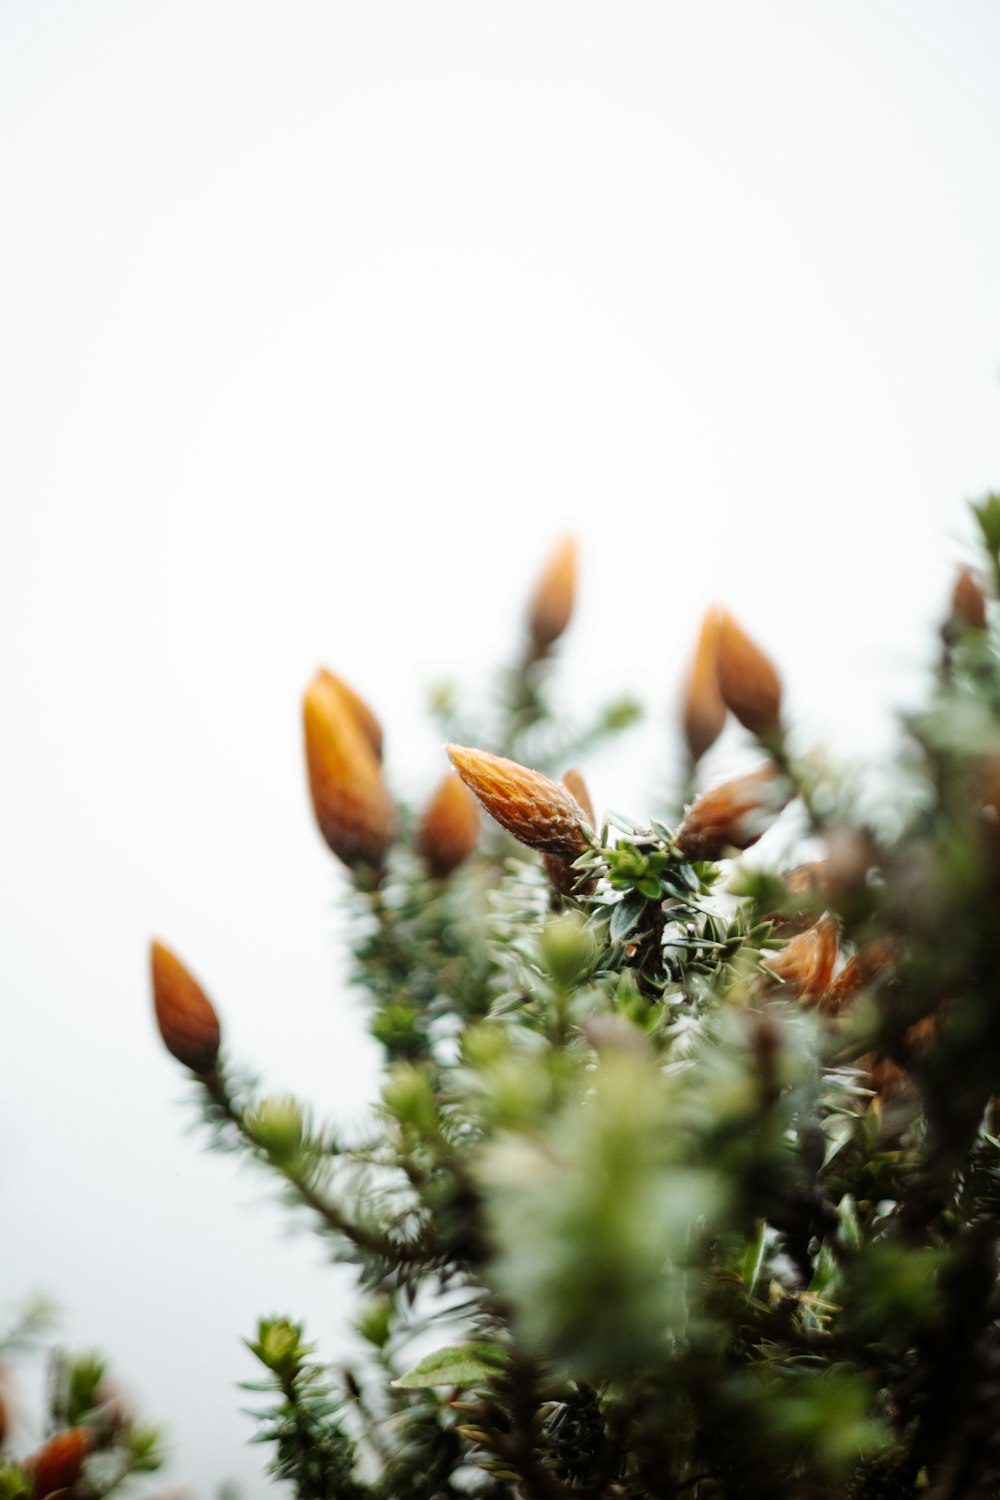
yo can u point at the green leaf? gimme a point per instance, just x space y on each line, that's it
460 1364
626 916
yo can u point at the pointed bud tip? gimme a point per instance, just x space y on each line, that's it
748 680
185 1016
350 800
968 603
733 815
449 830
703 712
537 811
551 606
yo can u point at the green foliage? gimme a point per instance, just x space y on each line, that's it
687 1184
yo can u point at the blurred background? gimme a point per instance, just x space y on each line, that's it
321 323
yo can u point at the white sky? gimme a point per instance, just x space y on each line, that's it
320 323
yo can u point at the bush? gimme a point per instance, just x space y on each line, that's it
685 1177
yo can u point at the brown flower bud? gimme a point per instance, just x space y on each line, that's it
185 1015
539 812
450 827
748 681
733 815
806 963
869 966
349 797
58 1464
703 711
359 711
884 1076
968 605
562 876
552 602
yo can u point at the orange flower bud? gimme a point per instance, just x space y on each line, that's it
733 815
350 799
185 1015
748 682
552 602
450 827
359 710
884 1076
806 963
58 1464
968 604
562 876
703 711
539 812
872 963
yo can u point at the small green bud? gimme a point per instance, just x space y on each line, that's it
375 1322
279 1345
408 1097
278 1126
397 1025
483 1045
143 1448
621 713
567 949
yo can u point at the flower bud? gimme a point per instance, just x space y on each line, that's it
562 876
58 1464
277 1125
748 681
350 799
537 811
806 963
968 606
450 827
185 1015
356 706
733 815
552 602
702 710
567 949
869 966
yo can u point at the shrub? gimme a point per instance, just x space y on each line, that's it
685 1175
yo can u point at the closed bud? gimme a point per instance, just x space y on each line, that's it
537 811
562 876
375 1321
552 602
408 1095
806 963
186 1017
748 681
58 1464
352 805
968 605
356 706
450 827
871 965
567 949
733 815
703 711
278 1126
279 1346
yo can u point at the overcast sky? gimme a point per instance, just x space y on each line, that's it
320 323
